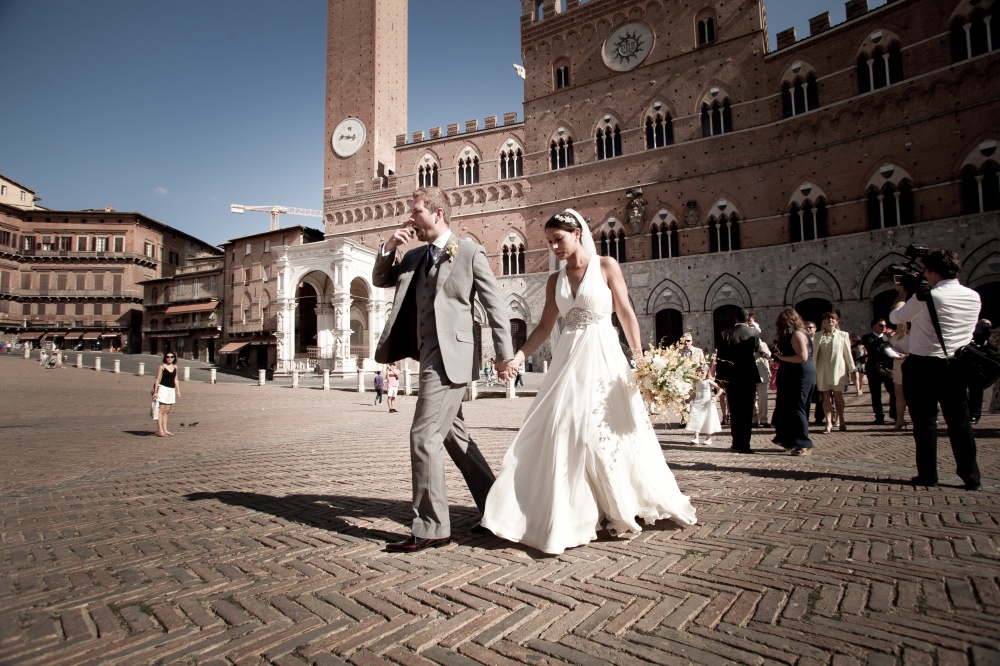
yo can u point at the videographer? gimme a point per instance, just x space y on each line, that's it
930 374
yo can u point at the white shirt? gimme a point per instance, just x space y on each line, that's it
958 311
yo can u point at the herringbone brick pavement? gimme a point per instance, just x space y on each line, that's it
256 536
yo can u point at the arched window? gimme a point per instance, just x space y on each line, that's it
807 221
659 130
891 206
666 240
800 96
609 142
511 163
706 31
561 76
880 69
155 293
974 36
669 326
513 259
716 119
980 189
724 233
427 175
613 245
561 153
468 170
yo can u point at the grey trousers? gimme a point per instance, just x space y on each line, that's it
438 426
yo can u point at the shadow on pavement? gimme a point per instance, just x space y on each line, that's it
141 433
790 474
326 512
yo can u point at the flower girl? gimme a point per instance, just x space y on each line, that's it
704 418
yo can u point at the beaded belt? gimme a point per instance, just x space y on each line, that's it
577 318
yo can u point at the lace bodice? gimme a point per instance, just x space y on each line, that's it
592 304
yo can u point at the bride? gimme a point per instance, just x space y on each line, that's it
587 454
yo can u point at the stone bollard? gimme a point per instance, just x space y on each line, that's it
326 379
142 369
511 392
118 366
59 357
407 381
79 360
545 366
26 352
261 377
213 376
361 380
295 378
187 373
97 364
472 392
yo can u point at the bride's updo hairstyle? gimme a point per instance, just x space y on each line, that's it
566 221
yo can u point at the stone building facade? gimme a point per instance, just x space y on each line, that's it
72 279
719 172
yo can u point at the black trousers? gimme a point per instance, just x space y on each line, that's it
928 382
741 396
875 383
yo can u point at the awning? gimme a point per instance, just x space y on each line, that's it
33 335
232 347
91 335
192 307
73 335
110 335
167 335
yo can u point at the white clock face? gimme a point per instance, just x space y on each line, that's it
348 138
627 46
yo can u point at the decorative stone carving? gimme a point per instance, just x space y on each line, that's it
635 210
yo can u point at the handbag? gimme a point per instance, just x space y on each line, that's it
154 409
884 367
978 365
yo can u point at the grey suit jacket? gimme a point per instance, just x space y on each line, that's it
459 281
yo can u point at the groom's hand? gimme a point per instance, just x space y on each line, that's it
401 236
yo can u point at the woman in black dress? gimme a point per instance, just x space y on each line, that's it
796 380
166 391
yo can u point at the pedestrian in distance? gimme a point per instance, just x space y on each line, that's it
392 386
379 381
166 391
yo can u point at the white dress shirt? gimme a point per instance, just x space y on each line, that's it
958 311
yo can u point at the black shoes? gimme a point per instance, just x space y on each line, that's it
969 485
735 450
416 544
920 481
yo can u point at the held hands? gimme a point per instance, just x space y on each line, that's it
507 370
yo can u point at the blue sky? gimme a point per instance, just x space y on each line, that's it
178 108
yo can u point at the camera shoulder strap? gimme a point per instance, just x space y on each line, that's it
932 311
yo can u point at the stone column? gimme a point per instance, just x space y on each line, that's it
286 335
376 322
325 333
344 364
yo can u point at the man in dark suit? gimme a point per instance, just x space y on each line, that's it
432 320
876 344
736 370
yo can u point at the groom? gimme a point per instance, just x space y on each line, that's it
432 319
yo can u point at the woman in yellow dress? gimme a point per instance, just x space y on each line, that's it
834 365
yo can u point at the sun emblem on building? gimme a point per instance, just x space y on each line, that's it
629 46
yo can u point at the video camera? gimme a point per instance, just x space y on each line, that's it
910 274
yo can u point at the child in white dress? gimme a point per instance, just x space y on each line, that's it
704 417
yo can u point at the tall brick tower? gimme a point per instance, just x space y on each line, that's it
365 91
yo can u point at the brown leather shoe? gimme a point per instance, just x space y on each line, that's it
416 544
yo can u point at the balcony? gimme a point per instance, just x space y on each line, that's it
180 326
72 255
32 295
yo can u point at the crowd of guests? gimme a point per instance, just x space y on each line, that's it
811 367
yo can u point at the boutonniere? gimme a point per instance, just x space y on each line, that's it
451 249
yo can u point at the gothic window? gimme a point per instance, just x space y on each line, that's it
513 259
511 163
468 170
666 240
706 31
716 119
891 206
808 221
724 233
973 36
800 96
561 153
609 142
980 189
880 69
669 325
427 175
659 130
613 245
562 76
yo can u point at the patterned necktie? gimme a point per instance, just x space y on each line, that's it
432 254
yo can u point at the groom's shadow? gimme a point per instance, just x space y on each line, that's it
327 512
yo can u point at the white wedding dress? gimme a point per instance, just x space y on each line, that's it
587 453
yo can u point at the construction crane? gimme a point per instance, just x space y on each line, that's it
275 212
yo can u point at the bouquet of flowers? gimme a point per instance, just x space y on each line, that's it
665 378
